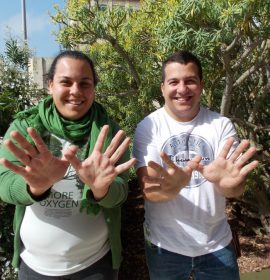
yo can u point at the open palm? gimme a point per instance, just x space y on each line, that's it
39 168
99 170
230 172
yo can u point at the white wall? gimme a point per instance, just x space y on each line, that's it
39 67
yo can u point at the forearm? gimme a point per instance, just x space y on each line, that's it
13 189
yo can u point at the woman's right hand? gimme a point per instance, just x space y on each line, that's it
39 168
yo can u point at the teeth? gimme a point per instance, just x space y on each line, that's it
75 102
182 99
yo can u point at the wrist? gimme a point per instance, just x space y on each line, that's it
38 194
99 194
232 192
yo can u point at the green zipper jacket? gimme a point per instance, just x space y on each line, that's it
13 190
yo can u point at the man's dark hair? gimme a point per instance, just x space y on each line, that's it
75 55
182 57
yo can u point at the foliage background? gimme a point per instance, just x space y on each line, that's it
232 39
128 44
17 92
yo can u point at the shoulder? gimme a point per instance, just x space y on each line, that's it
216 125
153 119
19 125
212 116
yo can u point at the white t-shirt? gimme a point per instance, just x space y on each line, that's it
194 223
57 238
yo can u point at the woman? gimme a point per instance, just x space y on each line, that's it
64 165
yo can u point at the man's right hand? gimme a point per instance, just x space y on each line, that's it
163 184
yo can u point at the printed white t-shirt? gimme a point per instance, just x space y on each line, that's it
57 238
194 223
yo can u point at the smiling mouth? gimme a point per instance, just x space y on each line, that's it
182 99
74 102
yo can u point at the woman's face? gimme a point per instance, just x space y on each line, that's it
72 87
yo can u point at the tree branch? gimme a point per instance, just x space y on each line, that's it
254 127
247 73
125 56
232 45
120 94
246 53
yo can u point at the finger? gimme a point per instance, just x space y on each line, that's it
193 164
41 147
153 180
71 151
227 147
151 189
101 138
125 166
239 150
241 160
249 167
23 143
114 143
167 160
70 155
200 168
13 167
17 152
159 169
120 150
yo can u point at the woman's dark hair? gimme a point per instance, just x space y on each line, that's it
75 55
182 57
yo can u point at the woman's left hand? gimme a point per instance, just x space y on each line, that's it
99 170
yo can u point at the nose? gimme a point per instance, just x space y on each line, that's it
182 88
75 89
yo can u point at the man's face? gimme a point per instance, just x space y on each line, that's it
181 90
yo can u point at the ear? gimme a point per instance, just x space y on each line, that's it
50 84
162 88
202 86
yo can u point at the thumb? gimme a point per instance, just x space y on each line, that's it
70 155
200 168
192 164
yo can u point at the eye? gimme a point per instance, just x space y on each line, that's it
173 83
65 83
191 82
86 84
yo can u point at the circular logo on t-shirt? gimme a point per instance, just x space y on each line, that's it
184 147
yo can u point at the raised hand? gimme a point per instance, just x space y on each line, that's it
99 170
40 168
167 182
229 174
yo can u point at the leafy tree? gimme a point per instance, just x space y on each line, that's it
230 37
17 92
17 89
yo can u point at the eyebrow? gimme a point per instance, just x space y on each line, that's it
69 78
185 78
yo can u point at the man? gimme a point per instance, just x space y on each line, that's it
185 226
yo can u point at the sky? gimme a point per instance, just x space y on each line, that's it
39 25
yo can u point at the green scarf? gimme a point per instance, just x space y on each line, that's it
45 117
